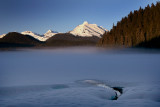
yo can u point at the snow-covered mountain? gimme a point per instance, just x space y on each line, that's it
88 30
84 30
50 33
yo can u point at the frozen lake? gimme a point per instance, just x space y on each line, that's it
79 77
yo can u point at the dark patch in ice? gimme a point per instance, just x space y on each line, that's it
120 89
59 86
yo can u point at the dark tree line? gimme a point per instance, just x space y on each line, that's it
139 26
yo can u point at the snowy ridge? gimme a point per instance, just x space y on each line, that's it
49 34
88 30
39 37
44 37
36 36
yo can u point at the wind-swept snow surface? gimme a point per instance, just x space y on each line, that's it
88 30
80 77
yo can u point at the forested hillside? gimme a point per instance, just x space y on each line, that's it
140 26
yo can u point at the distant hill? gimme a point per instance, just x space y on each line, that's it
139 27
67 39
14 39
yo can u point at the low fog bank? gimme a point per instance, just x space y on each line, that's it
64 65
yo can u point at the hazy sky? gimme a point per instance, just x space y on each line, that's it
63 15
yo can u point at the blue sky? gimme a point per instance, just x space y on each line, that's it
63 15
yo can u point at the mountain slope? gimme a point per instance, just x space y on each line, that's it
88 30
14 39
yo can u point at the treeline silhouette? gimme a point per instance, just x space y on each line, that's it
136 29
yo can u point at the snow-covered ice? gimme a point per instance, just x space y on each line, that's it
79 77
